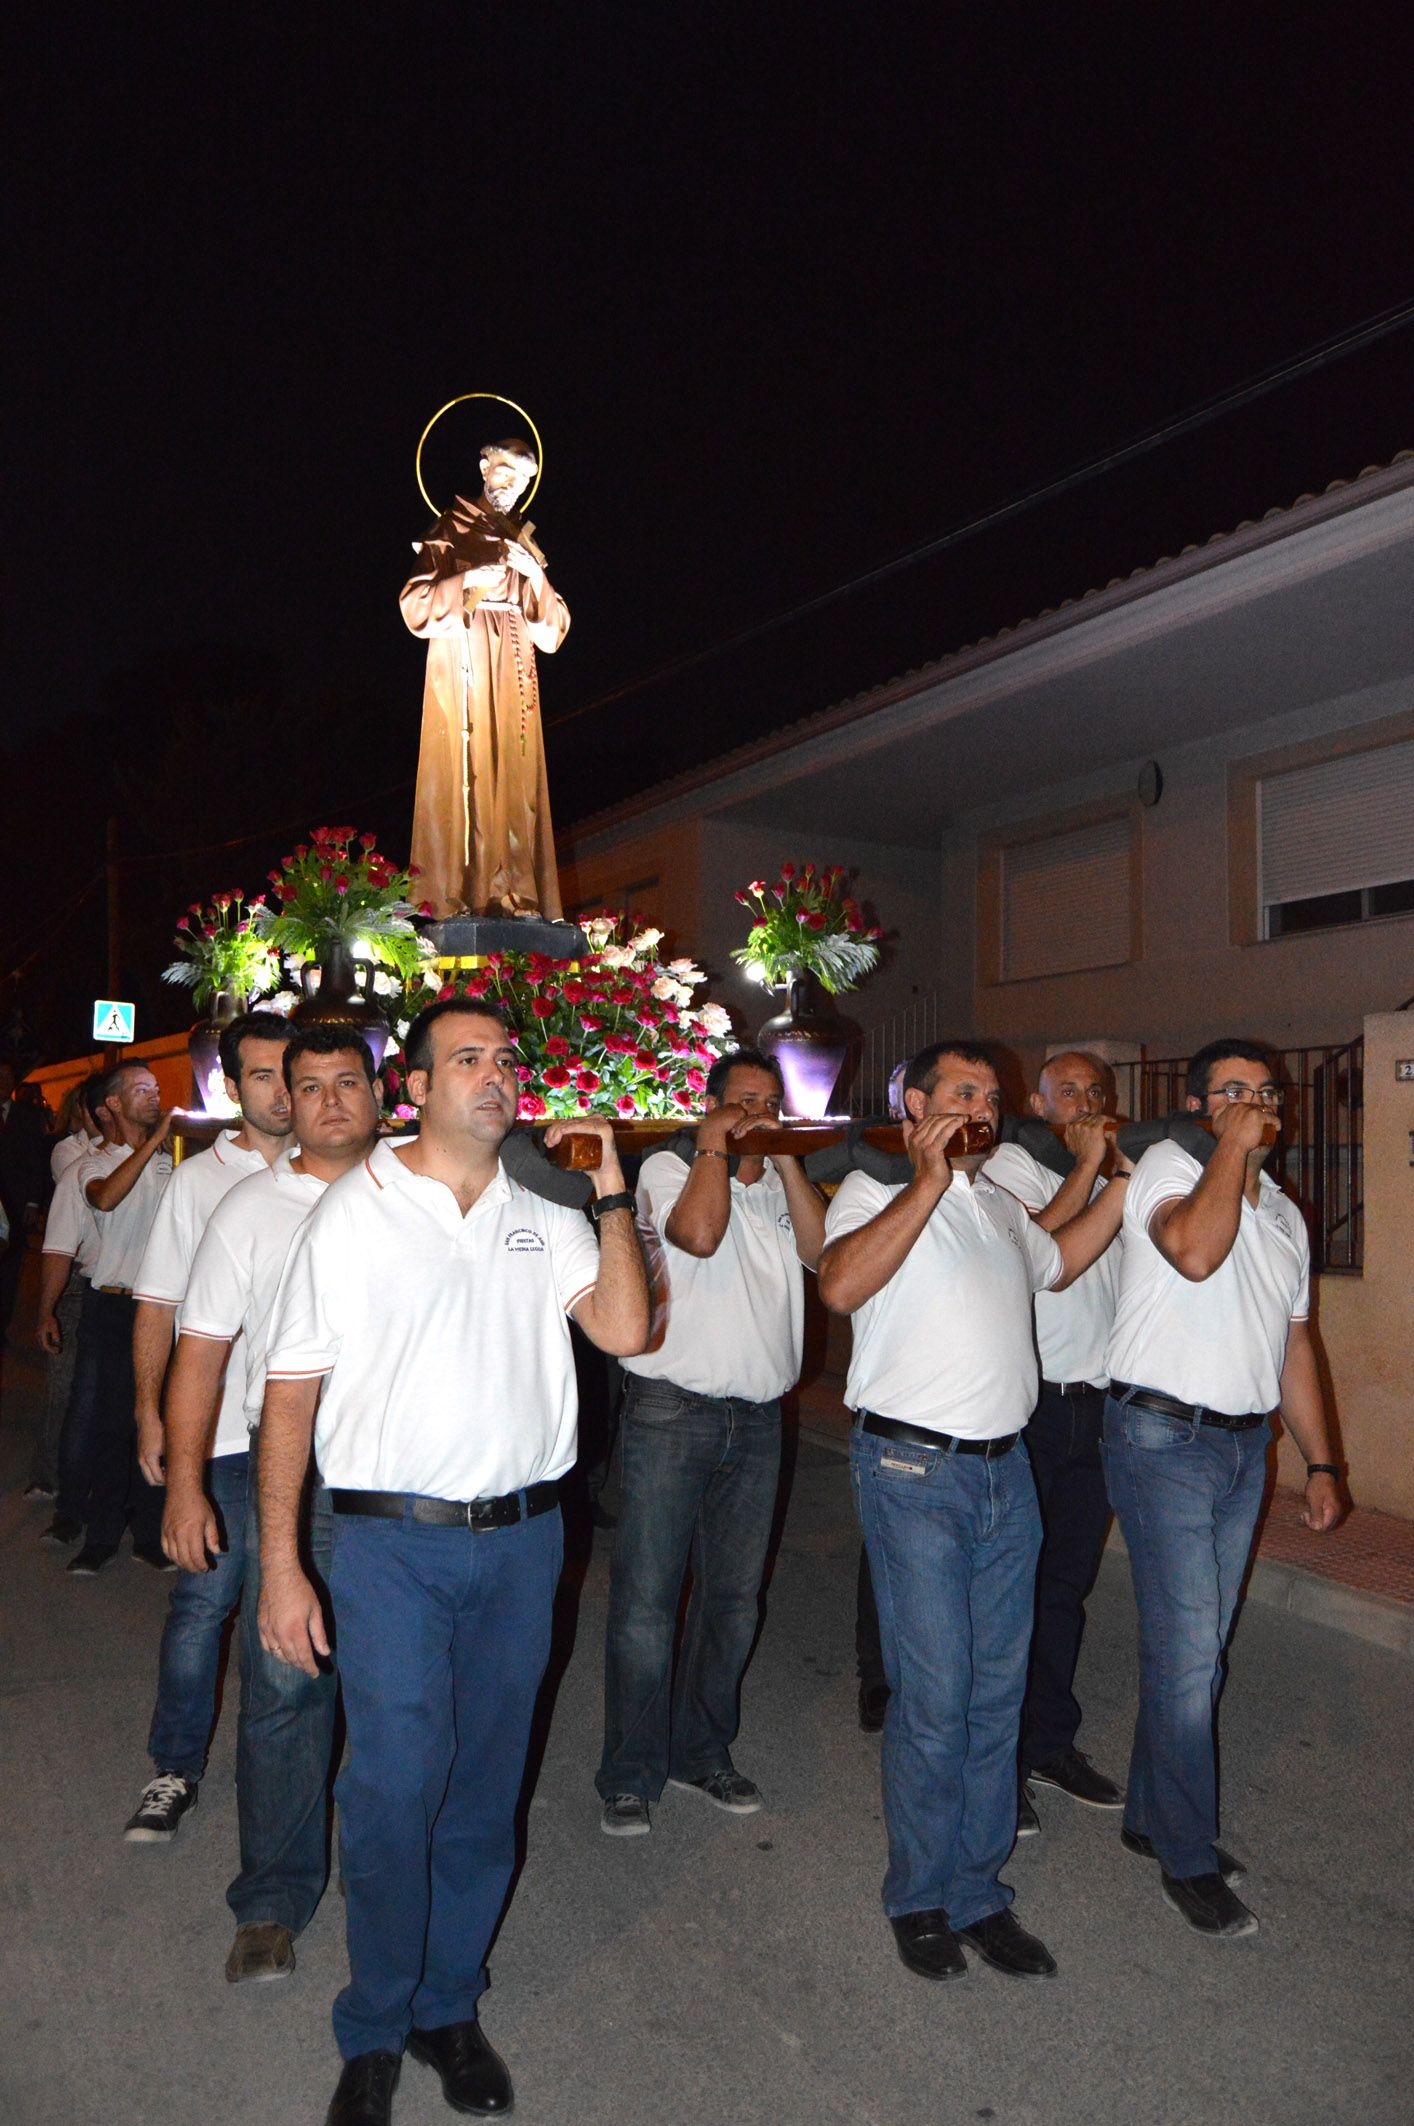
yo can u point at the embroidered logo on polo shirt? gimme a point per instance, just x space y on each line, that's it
524 1240
784 1222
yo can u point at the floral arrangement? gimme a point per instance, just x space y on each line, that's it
337 889
807 923
617 1033
223 950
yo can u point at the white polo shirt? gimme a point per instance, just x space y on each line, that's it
196 1188
238 1266
1221 1343
947 1343
122 1233
71 1225
730 1323
1073 1326
67 1152
444 1338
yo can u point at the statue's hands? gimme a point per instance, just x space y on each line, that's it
523 561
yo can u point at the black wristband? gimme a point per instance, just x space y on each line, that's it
622 1200
1323 1469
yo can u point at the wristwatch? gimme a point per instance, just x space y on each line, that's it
621 1200
1323 1469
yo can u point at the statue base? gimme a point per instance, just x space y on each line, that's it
475 937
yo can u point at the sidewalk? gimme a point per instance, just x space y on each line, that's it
1358 1579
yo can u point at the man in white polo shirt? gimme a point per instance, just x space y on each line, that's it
701 1445
65 1304
60 1296
1063 1432
252 1048
123 1184
938 1274
285 1731
427 1297
1210 1337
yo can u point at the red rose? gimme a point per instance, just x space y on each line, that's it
543 1007
588 1081
447 990
424 908
697 1081
556 1074
341 883
524 1073
787 871
557 1045
813 919
392 1079
476 985
687 1100
531 1107
589 1024
875 933
573 991
645 1059
582 1104
624 1105
368 841
623 993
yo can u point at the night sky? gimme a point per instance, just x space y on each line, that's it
788 290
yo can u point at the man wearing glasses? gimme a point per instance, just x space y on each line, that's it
1210 1339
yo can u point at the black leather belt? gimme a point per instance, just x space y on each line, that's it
475 1514
941 1442
1124 1391
1072 1390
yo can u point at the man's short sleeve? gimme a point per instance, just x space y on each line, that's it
305 1332
1043 1254
171 1245
857 1199
219 1287
661 1180
1301 1304
1015 1170
63 1228
1165 1172
574 1255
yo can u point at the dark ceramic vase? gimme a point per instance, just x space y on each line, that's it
204 1048
810 1041
341 993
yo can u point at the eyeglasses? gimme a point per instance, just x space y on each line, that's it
1269 1095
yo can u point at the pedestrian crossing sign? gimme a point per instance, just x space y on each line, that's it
113 1023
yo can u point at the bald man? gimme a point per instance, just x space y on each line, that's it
1063 1436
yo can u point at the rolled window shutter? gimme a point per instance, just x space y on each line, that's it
1339 825
1066 901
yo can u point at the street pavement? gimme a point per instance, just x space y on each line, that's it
723 1971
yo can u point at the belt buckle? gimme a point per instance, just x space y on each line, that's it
482 1514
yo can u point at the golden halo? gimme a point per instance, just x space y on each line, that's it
535 432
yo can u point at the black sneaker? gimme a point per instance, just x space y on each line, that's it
165 1800
1075 1775
625 1816
61 1532
154 1555
728 1790
91 1560
1028 1823
1208 1905
1231 1871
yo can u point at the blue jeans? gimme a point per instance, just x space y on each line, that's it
953 1541
699 1485
191 1637
284 1743
444 1635
1187 1497
58 1381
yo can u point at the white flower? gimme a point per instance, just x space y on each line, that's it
385 985
598 929
283 1001
615 956
713 1019
686 971
645 941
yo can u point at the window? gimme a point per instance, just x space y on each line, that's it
1337 841
1067 900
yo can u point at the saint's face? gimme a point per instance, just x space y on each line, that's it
504 480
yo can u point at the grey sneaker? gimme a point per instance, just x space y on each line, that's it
625 1816
727 1789
165 1800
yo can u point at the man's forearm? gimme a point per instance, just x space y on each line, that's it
1197 1234
1303 1406
1084 1239
859 1264
109 1190
807 1211
152 1353
54 1274
193 1391
1070 1199
698 1220
286 1434
616 1315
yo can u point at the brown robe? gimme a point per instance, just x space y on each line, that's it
481 832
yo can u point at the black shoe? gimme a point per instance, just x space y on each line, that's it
1231 1871
165 1800
474 2076
91 1560
154 1555
728 1789
1075 1775
928 1946
1001 1941
61 1532
1208 1905
364 2096
1028 1823
873 1704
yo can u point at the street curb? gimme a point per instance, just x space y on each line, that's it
1378 1619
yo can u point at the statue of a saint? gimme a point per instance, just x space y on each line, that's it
481 832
